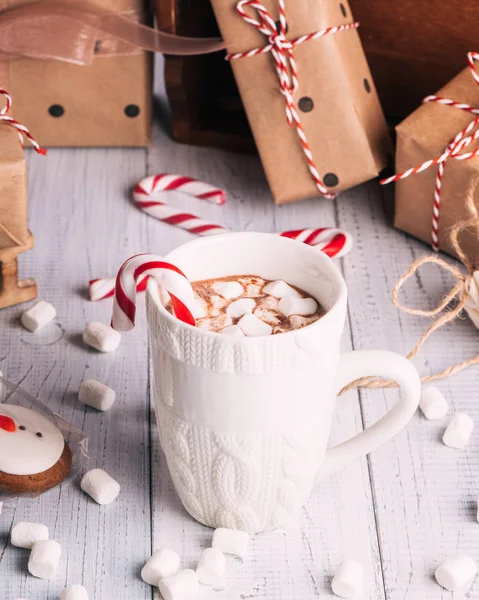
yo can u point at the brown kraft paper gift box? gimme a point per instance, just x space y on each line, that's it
107 103
341 114
14 235
424 135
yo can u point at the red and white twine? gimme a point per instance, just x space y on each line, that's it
282 51
454 150
21 129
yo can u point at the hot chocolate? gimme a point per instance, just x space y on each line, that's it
248 305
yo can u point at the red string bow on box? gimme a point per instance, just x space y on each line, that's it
454 150
22 130
282 51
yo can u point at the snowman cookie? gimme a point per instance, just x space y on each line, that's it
34 456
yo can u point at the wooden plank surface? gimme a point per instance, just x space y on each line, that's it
399 512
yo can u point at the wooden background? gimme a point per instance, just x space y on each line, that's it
400 511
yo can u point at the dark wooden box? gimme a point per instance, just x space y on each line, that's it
414 47
205 102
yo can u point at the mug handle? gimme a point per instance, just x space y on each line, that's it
388 365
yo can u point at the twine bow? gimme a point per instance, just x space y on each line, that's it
465 291
282 51
453 151
22 130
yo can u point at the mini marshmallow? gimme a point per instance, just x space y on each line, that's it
297 306
200 308
180 586
101 337
458 432
254 327
233 330
217 304
24 535
211 568
38 315
268 316
241 307
228 289
44 558
216 323
280 289
433 404
348 579
74 592
100 486
455 573
96 394
162 564
231 541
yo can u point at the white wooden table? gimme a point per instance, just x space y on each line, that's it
399 512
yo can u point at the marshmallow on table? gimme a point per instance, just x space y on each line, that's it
433 404
455 573
280 289
24 535
231 541
162 564
100 486
74 592
297 306
348 579
233 330
254 327
241 307
101 337
228 289
44 558
211 568
96 394
38 315
180 586
459 430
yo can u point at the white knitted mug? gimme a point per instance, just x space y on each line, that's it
244 422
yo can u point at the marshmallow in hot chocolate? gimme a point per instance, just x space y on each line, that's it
250 306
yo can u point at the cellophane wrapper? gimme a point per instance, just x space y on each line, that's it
12 394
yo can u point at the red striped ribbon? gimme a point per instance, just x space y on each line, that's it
22 130
282 51
454 150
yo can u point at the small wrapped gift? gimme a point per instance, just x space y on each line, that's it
308 94
437 163
66 101
15 237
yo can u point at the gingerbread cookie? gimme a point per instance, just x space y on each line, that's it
34 456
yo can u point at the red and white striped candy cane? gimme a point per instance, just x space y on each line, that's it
21 129
99 289
145 196
453 151
333 242
172 279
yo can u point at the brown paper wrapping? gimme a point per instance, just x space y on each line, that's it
95 101
13 190
346 129
422 136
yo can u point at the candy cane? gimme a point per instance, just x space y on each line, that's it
173 280
144 196
333 242
99 289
